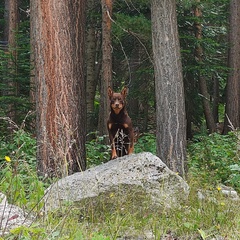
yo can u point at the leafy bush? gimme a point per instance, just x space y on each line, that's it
214 158
18 176
234 178
146 143
98 151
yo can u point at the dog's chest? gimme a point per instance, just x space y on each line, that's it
119 121
121 126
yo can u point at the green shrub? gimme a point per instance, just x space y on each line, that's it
18 176
146 143
97 151
214 158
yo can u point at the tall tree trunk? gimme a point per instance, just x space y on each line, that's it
132 73
106 66
215 99
92 63
12 20
211 126
232 119
170 106
57 28
6 20
91 80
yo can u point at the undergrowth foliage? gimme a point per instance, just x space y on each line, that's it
18 177
98 152
213 159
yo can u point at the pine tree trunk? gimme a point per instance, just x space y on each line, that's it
10 32
170 106
6 20
215 99
91 80
57 28
91 83
106 79
211 126
232 119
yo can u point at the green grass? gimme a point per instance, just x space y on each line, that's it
212 160
98 221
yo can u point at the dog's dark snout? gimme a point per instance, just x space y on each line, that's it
117 104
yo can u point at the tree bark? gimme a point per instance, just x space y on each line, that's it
211 126
232 111
215 99
170 107
10 31
106 79
91 77
57 29
13 20
6 20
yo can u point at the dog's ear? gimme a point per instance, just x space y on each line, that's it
124 92
110 92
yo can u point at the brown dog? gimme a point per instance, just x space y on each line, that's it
119 125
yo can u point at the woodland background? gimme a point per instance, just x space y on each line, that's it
57 59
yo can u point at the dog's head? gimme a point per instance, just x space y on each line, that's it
117 100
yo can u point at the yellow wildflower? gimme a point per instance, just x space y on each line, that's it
7 158
219 188
111 195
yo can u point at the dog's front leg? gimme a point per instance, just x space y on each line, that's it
114 153
112 142
131 141
130 136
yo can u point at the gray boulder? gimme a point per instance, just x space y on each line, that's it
11 216
139 174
